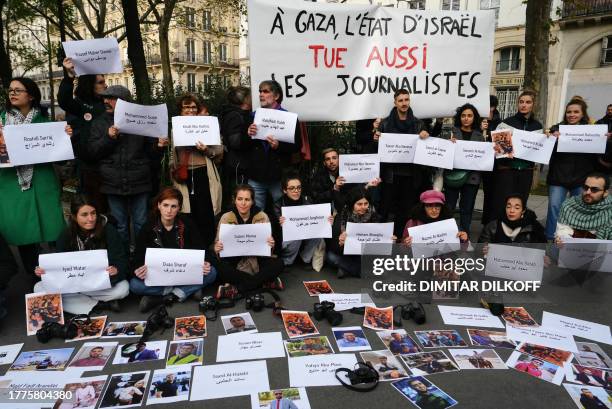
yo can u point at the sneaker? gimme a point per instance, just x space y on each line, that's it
276 284
148 302
227 291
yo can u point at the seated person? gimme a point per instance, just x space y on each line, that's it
518 225
8 268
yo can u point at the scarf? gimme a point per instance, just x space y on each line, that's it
582 216
25 173
403 126
349 216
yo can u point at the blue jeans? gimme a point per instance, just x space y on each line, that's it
556 197
137 286
124 208
467 198
261 188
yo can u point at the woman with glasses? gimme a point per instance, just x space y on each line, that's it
195 175
30 209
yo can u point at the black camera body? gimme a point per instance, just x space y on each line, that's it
208 303
413 311
325 310
255 302
363 377
70 330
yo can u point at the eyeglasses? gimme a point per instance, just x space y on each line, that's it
191 107
16 91
593 189
294 188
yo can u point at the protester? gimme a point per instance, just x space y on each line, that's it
124 164
605 160
82 107
567 170
244 274
489 124
90 230
196 176
167 228
30 209
270 157
517 225
8 268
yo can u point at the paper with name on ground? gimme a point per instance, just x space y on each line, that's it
579 328
228 380
468 316
545 336
318 370
246 346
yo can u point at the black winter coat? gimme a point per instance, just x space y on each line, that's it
8 265
234 123
518 121
569 169
322 189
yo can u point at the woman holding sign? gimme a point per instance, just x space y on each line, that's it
30 209
167 228
244 274
89 230
517 225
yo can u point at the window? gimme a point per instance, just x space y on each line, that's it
490 5
207 81
207 20
450 4
606 54
190 17
190 44
191 82
509 60
416 4
507 101
223 52
207 52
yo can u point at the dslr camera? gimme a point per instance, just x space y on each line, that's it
325 310
413 311
255 302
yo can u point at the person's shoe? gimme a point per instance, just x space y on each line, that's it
276 284
99 307
114 306
148 302
227 291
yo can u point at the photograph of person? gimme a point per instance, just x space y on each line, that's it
298 324
189 352
351 339
43 360
440 338
93 355
315 288
591 354
41 308
554 356
190 327
518 317
169 385
145 351
443 276
488 338
126 390
399 342
585 375
124 329
427 363
90 330
290 398
83 394
423 394
378 318
236 323
536 367
386 364
589 397
308 346
477 359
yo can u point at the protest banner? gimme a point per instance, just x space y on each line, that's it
245 239
368 233
147 120
96 56
532 146
353 58
279 124
75 271
187 130
582 138
471 155
435 152
306 222
397 147
359 168
170 267
37 143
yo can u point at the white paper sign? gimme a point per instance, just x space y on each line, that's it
227 380
97 56
306 222
246 346
545 336
245 239
318 370
397 147
515 263
586 254
8 353
467 316
279 124
472 155
435 152
579 328
37 143
582 138
147 120
361 233
532 146
347 301
170 267
75 272
187 130
359 168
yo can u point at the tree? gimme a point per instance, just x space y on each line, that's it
136 53
6 71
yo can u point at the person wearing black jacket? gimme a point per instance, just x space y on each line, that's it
90 230
492 122
124 164
517 225
270 157
8 268
169 229
605 160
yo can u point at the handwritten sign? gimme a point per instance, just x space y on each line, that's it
477 317
75 272
187 130
579 328
532 146
471 155
97 56
586 254
37 143
142 119
227 380
515 263
245 239
170 267
246 346
434 238
318 370
582 138
545 336
306 222
279 124
368 233
435 152
359 168
397 147
339 62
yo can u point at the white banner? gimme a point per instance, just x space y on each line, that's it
75 272
147 120
187 130
397 147
532 146
435 152
471 155
306 222
245 239
359 168
586 254
37 143
279 124
362 233
97 56
170 267
582 138
341 62
515 263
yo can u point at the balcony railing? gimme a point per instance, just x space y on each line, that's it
585 8
508 66
187 58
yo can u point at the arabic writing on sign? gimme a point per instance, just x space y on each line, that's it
196 129
323 367
250 345
514 265
435 151
173 267
245 238
230 377
473 153
38 141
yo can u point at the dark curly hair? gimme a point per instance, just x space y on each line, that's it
457 117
